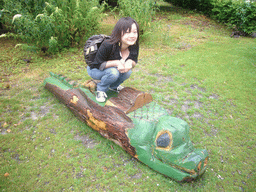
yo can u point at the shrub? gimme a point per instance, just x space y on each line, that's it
1 13
52 25
239 15
1 4
140 10
112 3
204 6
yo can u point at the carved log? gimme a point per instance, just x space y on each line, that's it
148 134
109 121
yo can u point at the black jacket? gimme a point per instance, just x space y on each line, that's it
108 52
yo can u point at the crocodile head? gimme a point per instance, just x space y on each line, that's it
165 146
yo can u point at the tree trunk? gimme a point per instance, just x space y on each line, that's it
110 121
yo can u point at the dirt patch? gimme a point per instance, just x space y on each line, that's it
136 176
44 110
87 142
199 22
110 20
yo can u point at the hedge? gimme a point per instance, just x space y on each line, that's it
238 15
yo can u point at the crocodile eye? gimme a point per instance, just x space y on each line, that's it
164 140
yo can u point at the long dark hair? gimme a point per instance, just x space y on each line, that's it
122 25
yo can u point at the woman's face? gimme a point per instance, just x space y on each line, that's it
130 38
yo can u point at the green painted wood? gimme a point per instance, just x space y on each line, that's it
160 141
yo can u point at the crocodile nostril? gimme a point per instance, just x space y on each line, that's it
199 167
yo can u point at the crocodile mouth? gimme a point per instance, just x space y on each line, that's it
201 167
192 173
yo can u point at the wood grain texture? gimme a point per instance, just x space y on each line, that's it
109 121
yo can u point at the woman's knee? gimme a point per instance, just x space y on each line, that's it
127 74
113 72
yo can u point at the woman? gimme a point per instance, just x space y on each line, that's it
116 57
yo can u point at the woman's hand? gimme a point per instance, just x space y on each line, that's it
125 66
128 65
121 65
121 68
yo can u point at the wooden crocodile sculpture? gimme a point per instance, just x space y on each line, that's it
140 126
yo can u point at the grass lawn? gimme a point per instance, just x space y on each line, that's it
189 64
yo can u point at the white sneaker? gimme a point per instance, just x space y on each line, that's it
119 88
101 96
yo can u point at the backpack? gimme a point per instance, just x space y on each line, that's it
91 47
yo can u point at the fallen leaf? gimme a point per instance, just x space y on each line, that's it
15 125
6 174
4 125
8 130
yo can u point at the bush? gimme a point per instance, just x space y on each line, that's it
1 13
1 4
204 6
140 10
239 15
54 25
112 3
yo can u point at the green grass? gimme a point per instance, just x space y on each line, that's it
191 67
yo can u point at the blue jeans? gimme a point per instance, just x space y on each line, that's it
110 77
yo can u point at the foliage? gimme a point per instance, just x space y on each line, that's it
240 15
29 7
201 5
1 4
140 10
112 3
1 12
53 25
